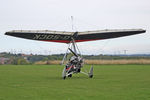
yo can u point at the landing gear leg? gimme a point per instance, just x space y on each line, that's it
64 74
91 72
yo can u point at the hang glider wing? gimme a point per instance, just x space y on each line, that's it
66 37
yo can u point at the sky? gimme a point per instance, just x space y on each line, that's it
87 14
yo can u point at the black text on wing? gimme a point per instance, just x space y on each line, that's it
51 37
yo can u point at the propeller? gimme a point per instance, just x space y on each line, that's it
73 53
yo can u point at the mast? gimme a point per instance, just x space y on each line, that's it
72 23
74 46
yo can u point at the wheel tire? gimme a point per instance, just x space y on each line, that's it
79 70
70 75
91 76
64 77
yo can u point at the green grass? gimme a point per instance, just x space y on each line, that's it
44 82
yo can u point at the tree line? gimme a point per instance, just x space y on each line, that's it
18 59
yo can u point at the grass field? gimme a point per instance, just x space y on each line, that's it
44 82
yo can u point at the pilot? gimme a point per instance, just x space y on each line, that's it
73 60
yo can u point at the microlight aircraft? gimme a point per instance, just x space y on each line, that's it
76 62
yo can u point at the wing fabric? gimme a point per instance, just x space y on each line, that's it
107 34
66 37
49 36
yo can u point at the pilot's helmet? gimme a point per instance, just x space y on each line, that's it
73 58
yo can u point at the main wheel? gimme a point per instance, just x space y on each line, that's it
90 76
64 77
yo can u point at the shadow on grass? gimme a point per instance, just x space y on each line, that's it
67 78
74 78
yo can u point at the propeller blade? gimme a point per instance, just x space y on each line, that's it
73 53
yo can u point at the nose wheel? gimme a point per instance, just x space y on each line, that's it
70 75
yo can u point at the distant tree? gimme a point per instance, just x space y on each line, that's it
22 61
45 59
14 61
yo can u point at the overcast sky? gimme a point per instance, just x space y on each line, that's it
88 15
